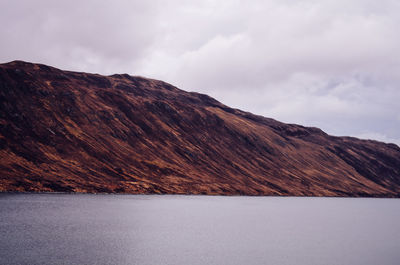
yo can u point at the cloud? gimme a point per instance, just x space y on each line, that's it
81 35
330 64
379 137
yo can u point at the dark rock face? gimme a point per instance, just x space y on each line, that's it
78 132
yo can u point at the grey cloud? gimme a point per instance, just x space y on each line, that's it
89 35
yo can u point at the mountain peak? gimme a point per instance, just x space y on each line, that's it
81 132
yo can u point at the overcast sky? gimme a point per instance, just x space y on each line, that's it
330 64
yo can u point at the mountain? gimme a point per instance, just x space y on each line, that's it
77 132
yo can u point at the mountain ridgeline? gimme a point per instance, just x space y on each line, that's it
66 131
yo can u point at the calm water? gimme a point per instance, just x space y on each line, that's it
190 230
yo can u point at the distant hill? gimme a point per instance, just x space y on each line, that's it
79 132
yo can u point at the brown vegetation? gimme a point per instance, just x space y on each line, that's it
79 132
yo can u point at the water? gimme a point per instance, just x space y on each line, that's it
190 230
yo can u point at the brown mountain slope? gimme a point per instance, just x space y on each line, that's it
68 131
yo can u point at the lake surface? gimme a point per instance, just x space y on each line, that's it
190 230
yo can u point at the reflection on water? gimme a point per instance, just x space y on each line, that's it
190 230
